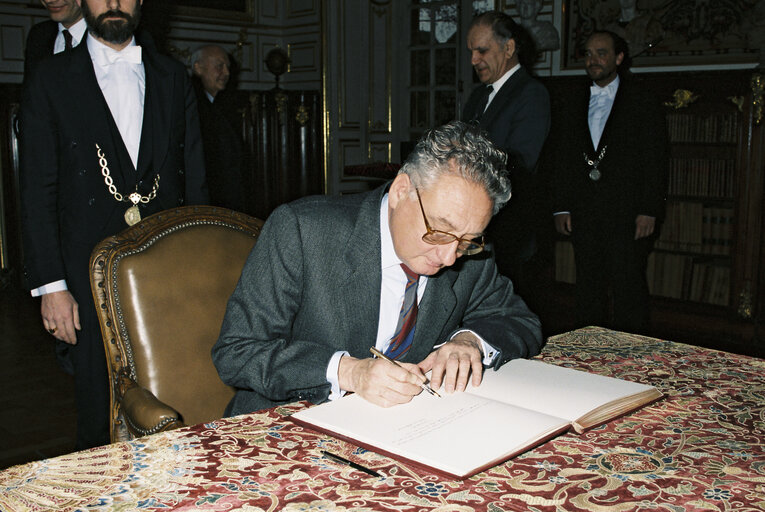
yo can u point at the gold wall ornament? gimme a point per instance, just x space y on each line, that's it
302 115
241 40
745 301
681 98
182 54
281 102
738 101
758 86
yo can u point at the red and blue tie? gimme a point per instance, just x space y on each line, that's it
402 339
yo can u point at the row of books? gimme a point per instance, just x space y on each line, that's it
702 177
669 275
697 228
685 277
695 128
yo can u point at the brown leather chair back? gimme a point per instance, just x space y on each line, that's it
161 289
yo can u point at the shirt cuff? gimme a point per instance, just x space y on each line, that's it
55 286
561 213
332 377
489 351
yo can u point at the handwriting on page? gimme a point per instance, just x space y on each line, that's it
423 427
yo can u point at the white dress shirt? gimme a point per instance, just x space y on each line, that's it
77 30
391 298
496 86
123 85
601 101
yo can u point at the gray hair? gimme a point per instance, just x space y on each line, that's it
199 53
462 149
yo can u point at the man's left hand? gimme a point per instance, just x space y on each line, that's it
644 226
453 363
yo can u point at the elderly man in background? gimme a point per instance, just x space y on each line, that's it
225 157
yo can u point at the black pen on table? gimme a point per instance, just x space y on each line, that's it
424 385
350 463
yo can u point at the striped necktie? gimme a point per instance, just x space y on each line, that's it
402 339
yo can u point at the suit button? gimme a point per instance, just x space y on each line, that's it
74 144
180 201
82 172
180 172
181 145
91 201
140 182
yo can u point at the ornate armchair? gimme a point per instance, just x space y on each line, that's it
161 289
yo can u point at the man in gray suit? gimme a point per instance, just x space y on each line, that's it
327 280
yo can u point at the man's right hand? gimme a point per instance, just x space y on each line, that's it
379 381
563 223
60 313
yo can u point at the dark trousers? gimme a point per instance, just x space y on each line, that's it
91 383
611 286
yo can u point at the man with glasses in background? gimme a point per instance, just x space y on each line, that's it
402 269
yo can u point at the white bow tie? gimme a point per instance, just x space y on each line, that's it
596 90
130 54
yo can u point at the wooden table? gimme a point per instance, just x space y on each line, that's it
700 448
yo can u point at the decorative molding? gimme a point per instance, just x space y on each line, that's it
225 11
758 86
681 99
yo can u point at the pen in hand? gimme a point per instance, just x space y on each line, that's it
425 385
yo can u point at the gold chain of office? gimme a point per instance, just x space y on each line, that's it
132 214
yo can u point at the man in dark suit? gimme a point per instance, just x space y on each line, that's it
331 277
109 134
221 129
514 109
64 30
610 187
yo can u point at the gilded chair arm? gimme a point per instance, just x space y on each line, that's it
144 413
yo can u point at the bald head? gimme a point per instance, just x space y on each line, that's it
211 64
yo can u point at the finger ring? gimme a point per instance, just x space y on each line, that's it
52 330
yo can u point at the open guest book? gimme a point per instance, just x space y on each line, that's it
523 404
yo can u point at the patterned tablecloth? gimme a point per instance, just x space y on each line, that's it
701 448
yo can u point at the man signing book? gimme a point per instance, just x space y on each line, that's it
401 268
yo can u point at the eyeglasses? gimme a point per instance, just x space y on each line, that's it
466 246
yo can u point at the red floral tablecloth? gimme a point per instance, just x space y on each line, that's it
700 448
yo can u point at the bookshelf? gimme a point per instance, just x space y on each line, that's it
706 274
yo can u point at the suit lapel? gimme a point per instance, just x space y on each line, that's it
95 117
505 94
50 42
360 291
156 128
586 128
434 311
615 112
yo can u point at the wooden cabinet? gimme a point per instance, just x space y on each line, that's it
283 134
706 273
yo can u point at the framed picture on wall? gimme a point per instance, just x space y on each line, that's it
668 32
232 10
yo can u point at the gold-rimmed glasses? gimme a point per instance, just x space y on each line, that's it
466 246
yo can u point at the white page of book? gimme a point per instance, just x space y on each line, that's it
552 389
456 434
